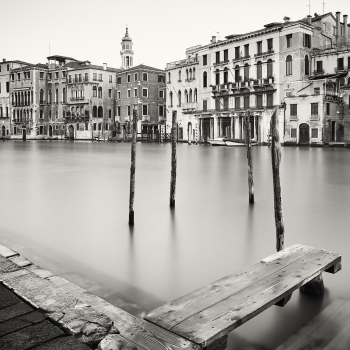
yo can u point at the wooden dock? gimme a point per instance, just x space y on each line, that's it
329 330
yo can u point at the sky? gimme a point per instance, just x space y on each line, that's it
161 30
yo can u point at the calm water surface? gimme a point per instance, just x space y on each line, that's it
64 205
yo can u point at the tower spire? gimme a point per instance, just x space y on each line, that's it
127 53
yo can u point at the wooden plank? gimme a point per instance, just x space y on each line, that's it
326 328
170 314
216 321
143 334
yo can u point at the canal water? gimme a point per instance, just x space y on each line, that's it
64 205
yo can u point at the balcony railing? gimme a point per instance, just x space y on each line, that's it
318 71
146 118
293 117
188 105
161 118
221 62
341 69
180 63
266 53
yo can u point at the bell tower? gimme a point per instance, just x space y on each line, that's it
127 53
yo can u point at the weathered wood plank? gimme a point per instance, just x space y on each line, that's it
170 314
216 321
328 330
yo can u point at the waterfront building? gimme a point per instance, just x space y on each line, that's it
141 87
260 70
5 102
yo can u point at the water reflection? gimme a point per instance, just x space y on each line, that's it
65 206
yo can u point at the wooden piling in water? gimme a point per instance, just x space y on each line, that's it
173 161
249 157
132 168
276 159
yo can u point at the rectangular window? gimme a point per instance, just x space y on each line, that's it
7 86
269 45
56 75
314 109
135 77
226 55
109 113
161 78
161 111
110 79
237 102
80 78
135 92
100 77
118 94
319 67
259 101
205 105
314 133
205 60
76 78
129 78
161 93
118 111
259 47
289 40
109 92
340 63
293 109
13 76
94 126
99 126
293 133
217 104
217 57
307 40
237 55
328 109
317 91
8 67
144 76
129 93
144 92
144 109
18 76
63 74
94 76
246 101
226 103
269 100
119 80
246 50
129 110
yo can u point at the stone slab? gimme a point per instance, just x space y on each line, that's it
14 311
20 260
7 298
29 337
65 343
39 271
17 323
7 266
7 252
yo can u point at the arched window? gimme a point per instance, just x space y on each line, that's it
49 97
190 96
259 70
169 77
49 114
41 96
217 77
225 75
348 81
179 97
246 72
94 112
41 114
64 114
237 76
186 74
179 75
307 65
14 115
195 95
64 95
171 98
269 68
191 73
186 96
100 92
194 73
100 112
56 96
94 91
205 79
289 61
342 81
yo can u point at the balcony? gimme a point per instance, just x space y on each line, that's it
266 53
189 105
293 117
127 118
319 72
161 118
341 69
221 62
146 118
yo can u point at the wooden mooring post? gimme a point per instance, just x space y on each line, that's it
249 156
276 160
173 161
132 168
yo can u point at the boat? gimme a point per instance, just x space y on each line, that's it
219 141
233 143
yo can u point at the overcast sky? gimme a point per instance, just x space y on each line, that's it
161 30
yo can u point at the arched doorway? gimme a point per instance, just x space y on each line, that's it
3 131
304 134
71 132
24 134
50 130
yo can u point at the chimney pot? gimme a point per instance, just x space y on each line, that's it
4 59
213 39
309 19
104 66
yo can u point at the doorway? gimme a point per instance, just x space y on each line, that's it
71 132
304 134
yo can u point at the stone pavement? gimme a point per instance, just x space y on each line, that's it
22 327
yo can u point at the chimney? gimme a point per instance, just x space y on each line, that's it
213 39
337 31
345 20
309 19
4 59
286 19
104 66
